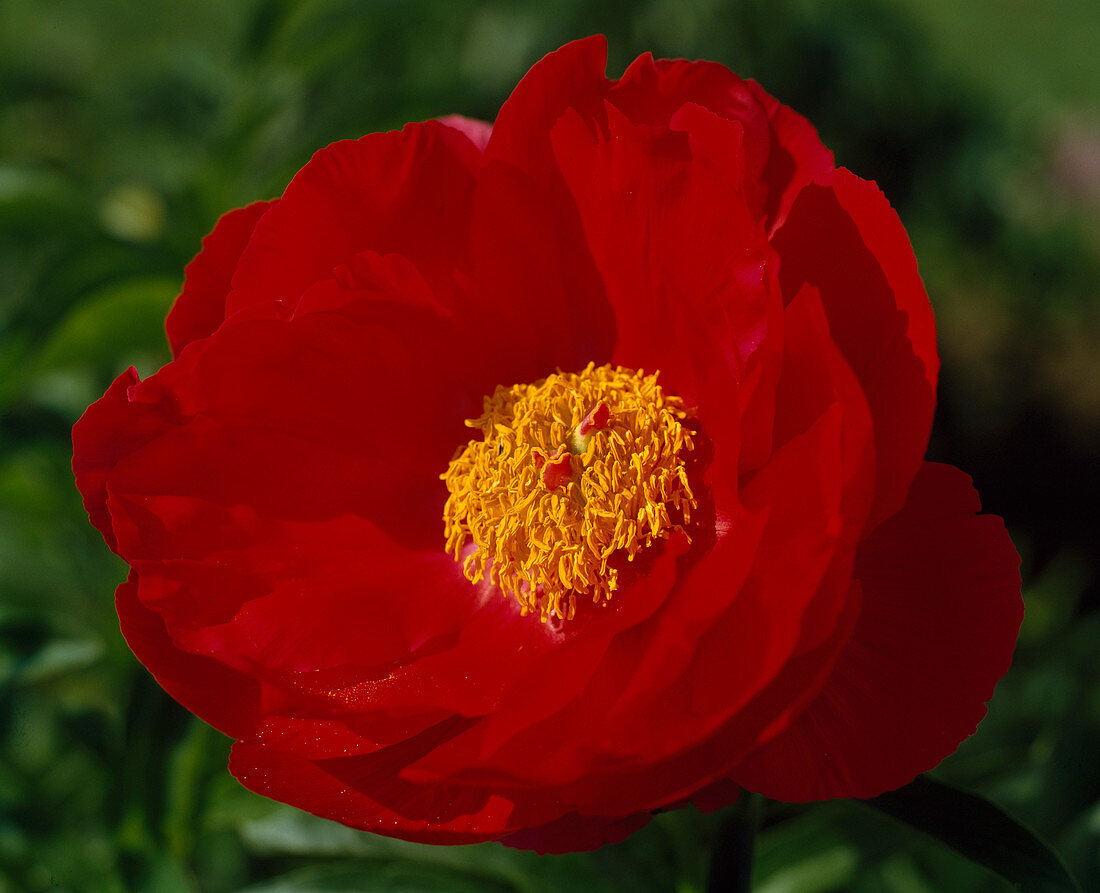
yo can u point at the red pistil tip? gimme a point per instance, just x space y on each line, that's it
597 419
557 470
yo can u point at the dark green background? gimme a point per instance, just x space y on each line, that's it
127 127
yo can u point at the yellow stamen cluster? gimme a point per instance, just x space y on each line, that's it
547 539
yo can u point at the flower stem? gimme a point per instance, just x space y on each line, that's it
732 857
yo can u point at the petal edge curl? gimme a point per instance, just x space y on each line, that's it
843 237
940 615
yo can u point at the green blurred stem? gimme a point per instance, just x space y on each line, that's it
732 857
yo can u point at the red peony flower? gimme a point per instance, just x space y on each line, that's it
517 484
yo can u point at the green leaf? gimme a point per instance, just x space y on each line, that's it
831 870
807 853
61 656
980 831
350 877
200 753
118 317
289 832
115 326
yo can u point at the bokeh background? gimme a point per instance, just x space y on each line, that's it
127 128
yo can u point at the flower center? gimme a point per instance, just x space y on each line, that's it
572 474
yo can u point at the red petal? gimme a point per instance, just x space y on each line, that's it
653 689
651 91
200 308
355 410
371 791
535 294
571 77
682 676
661 226
782 150
443 816
796 158
539 712
109 429
844 238
225 698
715 795
574 833
538 296
941 609
404 193
746 646
700 671
317 738
243 483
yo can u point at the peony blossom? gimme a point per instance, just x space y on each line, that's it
517 482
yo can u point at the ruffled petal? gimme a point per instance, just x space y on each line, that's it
709 680
535 290
200 308
447 815
749 643
941 609
535 301
109 429
795 158
227 699
571 77
843 238
669 685
404 192
356 409
782 150
543 717
281 483
659 223
372 791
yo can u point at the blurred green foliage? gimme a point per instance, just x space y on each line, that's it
126 129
